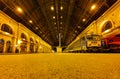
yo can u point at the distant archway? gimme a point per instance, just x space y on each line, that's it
23 46
8 47
31 45
1 45
36 49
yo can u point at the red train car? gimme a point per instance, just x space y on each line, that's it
112 43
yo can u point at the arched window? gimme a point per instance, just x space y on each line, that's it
6 28
106 26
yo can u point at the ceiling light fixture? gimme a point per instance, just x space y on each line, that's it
55 23
52 8
61 7
30 21
75 31
19 9
61 17
36 28
79 26
53 17
60 22
93 7
84 20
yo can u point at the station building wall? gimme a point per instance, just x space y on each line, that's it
16 38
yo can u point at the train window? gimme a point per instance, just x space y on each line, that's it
107 26
96 37
6 28
110 40
89 37
93 37
117 35
113 45
83 38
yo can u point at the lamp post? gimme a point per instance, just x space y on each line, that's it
59 39
59 48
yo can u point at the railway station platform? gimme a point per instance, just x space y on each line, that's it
60 66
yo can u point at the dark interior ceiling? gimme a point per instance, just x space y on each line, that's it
66 20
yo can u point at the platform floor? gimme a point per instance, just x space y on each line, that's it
60 66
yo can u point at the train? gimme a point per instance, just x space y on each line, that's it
95 43
88 43
112 44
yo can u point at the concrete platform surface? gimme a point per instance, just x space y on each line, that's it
60 66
